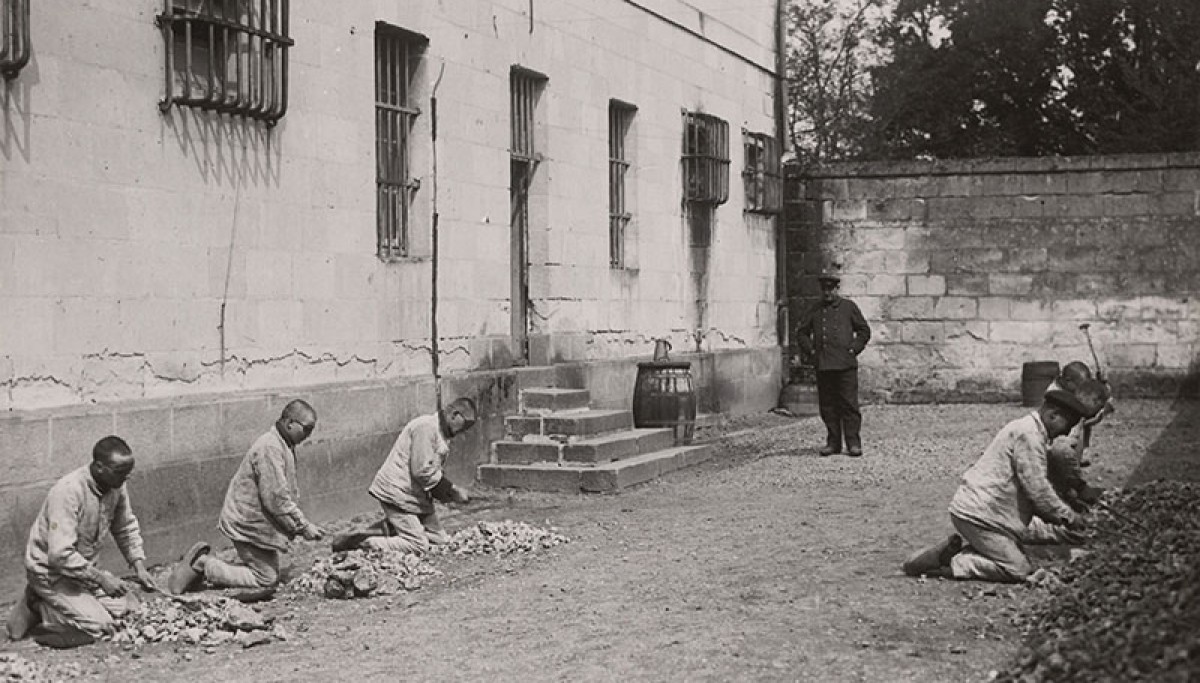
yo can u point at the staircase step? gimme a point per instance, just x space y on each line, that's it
543 400
611 476
597 449
527 452
618 445
582 423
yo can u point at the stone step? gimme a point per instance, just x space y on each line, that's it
612 476
597 449
583 423
543 400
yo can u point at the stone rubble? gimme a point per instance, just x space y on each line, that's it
367 572
501 538
16 669
200 619
1130 608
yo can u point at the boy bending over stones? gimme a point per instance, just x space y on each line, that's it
1065 456
261 513
1000 494
66 591
410 480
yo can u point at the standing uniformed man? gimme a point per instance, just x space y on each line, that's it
833 333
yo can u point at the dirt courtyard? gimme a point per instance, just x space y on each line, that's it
766 563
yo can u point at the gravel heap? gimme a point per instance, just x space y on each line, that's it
1129 609
198 619
368 572
14 667
364 573
501 538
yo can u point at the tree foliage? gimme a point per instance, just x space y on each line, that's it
971 78
831 46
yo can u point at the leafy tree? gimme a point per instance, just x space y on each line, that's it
1132 74
831 45
972 78
968 78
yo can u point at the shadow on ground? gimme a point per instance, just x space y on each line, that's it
1175 454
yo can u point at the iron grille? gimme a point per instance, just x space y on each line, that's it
762 175
397 53
620 116
705 159
227 56
525 87
14 36
524 90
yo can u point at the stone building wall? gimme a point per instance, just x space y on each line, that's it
175 277
968 269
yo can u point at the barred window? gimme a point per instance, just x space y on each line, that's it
14 36
620 117
705 159
762 176
227 56
397 55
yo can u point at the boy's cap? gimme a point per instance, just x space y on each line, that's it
1066 399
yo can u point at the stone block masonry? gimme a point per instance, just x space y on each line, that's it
967 269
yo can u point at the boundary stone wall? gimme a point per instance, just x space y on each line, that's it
967 269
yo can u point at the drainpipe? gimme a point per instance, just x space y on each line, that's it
782 324
433 289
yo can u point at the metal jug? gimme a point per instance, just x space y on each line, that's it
661 349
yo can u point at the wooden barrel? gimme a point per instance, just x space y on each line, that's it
799 398
663 397
1035 377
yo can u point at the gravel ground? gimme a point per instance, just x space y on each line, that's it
766 563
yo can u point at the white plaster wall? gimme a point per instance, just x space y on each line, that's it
124 232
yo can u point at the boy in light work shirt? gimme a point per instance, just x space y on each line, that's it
261 514
999 495
411 479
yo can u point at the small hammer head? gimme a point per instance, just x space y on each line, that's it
1084 326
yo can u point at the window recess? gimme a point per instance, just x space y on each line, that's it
705 159
762 176
228 56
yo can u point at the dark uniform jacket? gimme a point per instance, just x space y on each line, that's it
834 334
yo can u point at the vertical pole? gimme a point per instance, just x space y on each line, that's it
781 257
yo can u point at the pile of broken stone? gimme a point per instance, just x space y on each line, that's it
200 619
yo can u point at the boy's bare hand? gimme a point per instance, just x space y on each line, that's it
111 585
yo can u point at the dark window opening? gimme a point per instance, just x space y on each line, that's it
397 56
762 176
705 159
227 56
620 117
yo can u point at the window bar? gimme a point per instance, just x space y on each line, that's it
168 57
241 51
14 38
255 59
188 69
214 95
249 59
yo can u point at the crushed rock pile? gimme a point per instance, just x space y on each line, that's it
501 538
1129 609
198 619
370 572
14 668
364 573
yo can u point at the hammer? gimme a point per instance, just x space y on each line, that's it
1086 327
